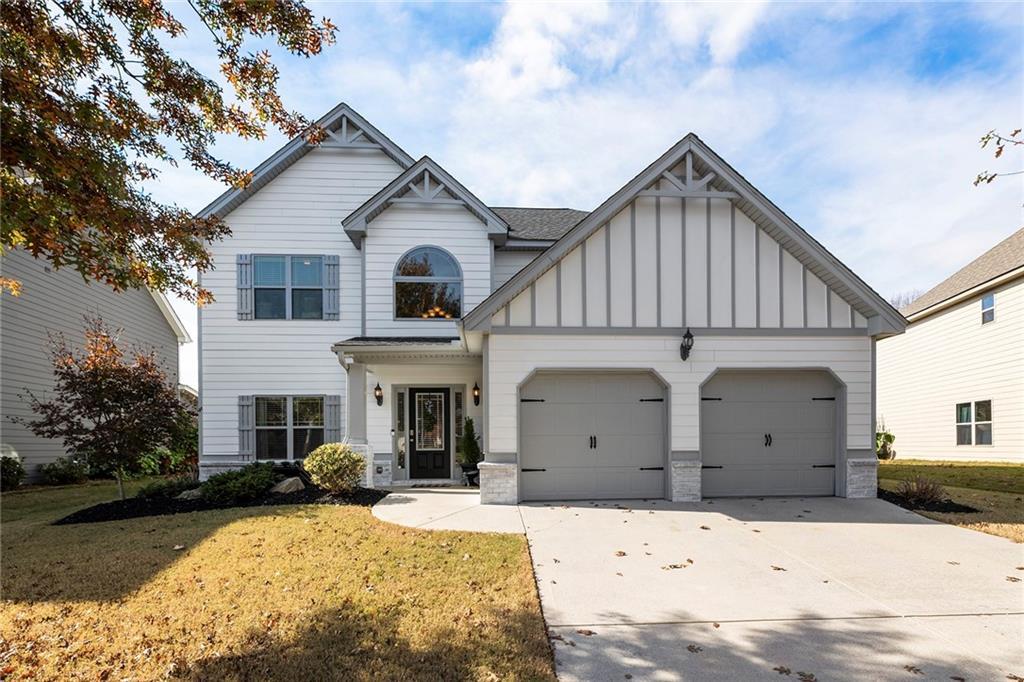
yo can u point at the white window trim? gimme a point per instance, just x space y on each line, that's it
991 308
973 423
289 426
288 286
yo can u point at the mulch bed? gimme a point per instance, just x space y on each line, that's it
135 507
947 505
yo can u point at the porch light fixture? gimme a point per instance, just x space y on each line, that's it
378 393
476 393
684 349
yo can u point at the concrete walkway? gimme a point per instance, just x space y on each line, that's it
750 589
447 509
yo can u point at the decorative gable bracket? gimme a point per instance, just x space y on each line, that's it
425 183
687 186
348 136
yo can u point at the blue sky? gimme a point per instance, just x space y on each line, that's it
860 120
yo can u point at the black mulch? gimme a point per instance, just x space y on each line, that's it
135 507
947 505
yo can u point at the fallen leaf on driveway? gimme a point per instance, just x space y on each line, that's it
1020 568
1012 579
618 574
806 677
178 548
782 670
670 567
620 553
694 649
913 669
556 561
586 633
957 678
1015 678
756 530
716 625
953 563
778 568
704 528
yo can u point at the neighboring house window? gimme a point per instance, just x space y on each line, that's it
988 308
428 285
288 427
974 423
288 287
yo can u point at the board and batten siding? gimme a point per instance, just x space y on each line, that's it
951 358
673 263
512 357
508 263
401 228
299 212
55 302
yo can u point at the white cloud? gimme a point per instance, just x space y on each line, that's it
565 103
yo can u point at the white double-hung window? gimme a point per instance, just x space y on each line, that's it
974 423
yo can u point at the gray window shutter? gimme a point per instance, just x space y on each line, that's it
246 427
243 264
332 419
332 279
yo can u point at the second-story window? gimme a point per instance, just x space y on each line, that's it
288 288
988 308
428 285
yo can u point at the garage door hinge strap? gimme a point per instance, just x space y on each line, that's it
709 466
533 470
652 400
652 468
823 466
833 398
531 400
718 399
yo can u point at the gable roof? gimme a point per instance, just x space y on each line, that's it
173 321
438 188
726 181
1001 259
346 129
539 223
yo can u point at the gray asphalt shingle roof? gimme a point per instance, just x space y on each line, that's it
1001 258
539 223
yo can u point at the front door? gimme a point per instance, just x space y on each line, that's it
429 429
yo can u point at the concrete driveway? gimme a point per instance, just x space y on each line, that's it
781 589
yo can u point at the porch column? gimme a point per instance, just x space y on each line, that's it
355 426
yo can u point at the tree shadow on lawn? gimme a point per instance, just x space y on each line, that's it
805 650
107 561
341 643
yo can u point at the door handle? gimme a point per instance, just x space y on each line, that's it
769 440
766 440
595 442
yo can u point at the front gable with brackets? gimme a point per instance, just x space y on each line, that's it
688 243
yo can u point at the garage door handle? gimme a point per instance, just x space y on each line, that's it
652 468
525 470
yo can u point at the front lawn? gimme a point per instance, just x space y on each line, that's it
302 592
996 489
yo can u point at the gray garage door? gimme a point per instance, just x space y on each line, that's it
768 433
589 436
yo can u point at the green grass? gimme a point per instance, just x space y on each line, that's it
302 592
996 489
999 476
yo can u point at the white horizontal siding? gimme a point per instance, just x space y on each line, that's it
952 358
299 212
508 263
511 358
401 228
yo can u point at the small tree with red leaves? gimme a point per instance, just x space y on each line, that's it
108 406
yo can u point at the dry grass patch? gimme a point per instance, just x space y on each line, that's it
1004 477
306 592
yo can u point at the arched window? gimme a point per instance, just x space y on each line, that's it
428 285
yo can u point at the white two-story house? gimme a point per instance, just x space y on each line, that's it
684 339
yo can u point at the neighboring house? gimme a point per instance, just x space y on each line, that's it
56 302
368 296
952 387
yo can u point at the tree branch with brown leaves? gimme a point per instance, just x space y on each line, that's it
999 142
92 100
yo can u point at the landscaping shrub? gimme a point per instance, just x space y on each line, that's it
12 473
168 488
920 491
884 440
469 452
241 485
65 471
335 467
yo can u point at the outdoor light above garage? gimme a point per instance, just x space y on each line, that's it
684 349
378 393
476 393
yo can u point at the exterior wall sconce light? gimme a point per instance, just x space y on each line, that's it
684 349
378 393
476 393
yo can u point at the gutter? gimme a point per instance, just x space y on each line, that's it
966 294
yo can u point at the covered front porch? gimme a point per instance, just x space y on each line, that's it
409 401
